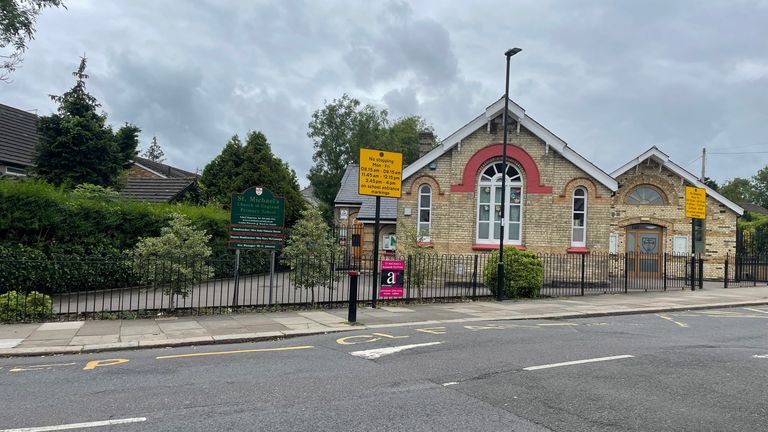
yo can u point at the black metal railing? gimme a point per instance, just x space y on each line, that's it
742 270
126 287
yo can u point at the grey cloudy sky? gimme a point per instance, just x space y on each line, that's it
611 78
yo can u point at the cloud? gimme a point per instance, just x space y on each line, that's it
611 79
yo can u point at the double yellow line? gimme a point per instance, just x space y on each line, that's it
203 354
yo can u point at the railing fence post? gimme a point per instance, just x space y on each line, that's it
583 272
665 271
701 272
725 276
626 272
474 277
408 279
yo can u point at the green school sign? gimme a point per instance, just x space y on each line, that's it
257 220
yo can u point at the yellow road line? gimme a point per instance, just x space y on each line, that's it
234 352
681 324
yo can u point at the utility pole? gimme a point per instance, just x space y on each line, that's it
703 163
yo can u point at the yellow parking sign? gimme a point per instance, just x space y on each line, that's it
381 173
695 202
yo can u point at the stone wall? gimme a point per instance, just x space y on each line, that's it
547 203
719 225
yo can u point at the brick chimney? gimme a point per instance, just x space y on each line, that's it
426 143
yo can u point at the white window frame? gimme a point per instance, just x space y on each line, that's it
18 172
515 182
428 237
582 243
613 243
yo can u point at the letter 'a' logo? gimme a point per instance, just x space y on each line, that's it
259 191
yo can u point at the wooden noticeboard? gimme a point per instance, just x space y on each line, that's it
695 202
381 173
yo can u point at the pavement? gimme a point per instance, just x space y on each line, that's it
72 337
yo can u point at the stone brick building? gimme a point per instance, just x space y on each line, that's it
557 201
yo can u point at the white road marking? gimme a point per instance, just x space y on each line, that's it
593 360
449 383
372 354
765 356
756 310
679 323
79 425
38 367
557 324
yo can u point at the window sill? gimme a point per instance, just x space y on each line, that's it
425 244
486 247
577 250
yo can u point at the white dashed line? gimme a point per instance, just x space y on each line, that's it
570 363
79 425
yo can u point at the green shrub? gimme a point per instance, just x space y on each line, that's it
16 306
65 270
176 259
523 273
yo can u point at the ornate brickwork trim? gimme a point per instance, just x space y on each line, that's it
425 179
469 179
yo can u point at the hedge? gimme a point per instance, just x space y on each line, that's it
53 241
523 273
53 220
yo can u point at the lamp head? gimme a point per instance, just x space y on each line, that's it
513 51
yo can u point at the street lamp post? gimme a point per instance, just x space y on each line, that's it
500 275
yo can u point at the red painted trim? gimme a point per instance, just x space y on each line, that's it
533 179
483 246
425 244
577 250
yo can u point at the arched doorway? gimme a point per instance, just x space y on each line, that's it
644 249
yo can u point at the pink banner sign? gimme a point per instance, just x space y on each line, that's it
391 279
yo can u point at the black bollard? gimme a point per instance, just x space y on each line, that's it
352 315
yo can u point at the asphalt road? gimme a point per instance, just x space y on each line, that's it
687 371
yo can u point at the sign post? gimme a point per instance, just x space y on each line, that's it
695 208
381 175
257 221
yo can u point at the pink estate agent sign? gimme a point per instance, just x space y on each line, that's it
392 279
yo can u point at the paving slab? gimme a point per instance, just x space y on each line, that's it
17 330
10 343
68 325
166 326
99 328
52 334
147 328
91 340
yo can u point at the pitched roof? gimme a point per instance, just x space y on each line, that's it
18 136
162 169
348 195
156 190
516 112
308 193
664 160
753 208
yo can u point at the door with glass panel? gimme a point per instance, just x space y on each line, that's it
644 245
490 205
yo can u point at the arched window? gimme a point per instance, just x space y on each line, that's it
645 194
489 205
579 218
425 213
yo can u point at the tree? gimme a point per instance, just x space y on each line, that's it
239 167
17 28
154 152
176 259
760 187
712 184
737 190
311 253
342 127
77 146
424 264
